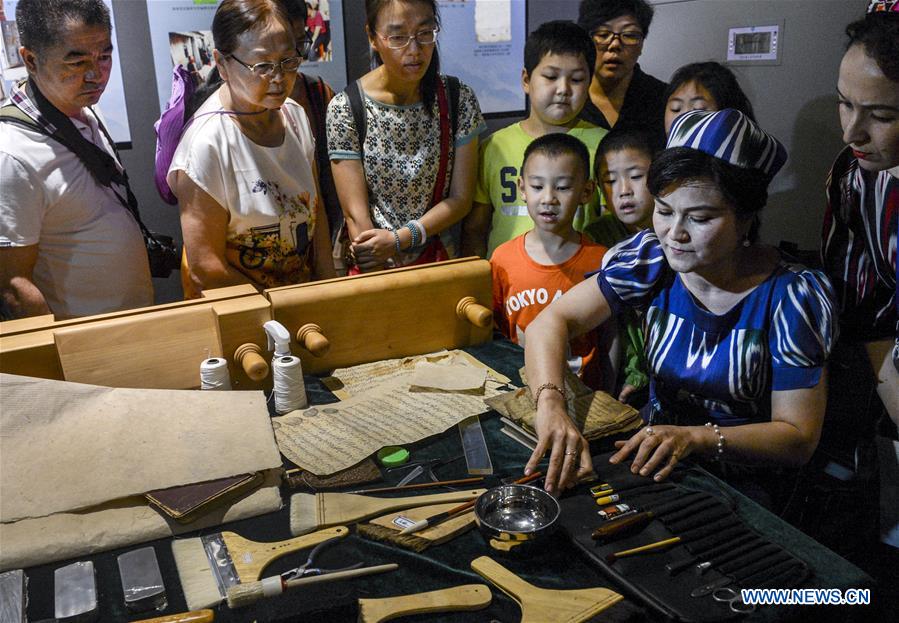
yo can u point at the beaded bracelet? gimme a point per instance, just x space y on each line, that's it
416 235
720 445
396 241
421 230
552 386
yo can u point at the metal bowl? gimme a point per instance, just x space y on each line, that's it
509 515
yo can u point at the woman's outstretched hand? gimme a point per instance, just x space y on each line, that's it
569 459
657 448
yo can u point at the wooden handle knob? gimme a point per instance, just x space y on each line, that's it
469 309
310 337
249 356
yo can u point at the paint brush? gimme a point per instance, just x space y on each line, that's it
462 508
244 594
651 547
209 565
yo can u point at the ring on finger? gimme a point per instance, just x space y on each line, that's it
649 432
570 452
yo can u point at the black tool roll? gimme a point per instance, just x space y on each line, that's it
683 580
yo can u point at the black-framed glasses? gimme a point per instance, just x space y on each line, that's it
303 47
267 69
422 37
604 38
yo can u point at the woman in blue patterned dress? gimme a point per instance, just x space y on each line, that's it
736 335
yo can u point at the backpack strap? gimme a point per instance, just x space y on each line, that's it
452 84
357 107
15 115
446 144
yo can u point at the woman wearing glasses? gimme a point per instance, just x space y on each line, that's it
621 94
244 171
390 186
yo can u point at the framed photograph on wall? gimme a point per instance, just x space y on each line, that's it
181 33
482 43
12 70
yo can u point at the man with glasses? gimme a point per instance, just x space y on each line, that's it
621 94
68 245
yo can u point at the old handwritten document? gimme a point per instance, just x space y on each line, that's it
392 402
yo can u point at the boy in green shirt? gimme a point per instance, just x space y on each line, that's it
620 167
558 66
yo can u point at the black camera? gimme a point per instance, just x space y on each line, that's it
163 254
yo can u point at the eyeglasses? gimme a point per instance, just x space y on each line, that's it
303 47
422 37
604 38
267 70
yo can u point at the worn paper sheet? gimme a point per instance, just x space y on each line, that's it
67 446
326 439
452 378
117 524
347 382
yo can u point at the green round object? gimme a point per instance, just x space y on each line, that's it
391 456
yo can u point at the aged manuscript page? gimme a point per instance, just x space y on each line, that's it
332 437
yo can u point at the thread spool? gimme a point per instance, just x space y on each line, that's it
469 309
214 374
310 337
289 390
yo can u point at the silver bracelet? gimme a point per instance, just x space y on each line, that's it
720 445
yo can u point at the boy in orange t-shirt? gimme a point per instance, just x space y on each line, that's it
536 268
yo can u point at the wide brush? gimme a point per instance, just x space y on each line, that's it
310 512
209 565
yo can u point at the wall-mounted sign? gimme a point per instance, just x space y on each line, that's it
757 45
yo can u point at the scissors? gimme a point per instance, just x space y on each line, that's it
306 569
421 467
721 591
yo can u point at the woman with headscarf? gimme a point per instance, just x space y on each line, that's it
736 335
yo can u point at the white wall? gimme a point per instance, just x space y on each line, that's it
796 100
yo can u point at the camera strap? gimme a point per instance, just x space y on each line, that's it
103 167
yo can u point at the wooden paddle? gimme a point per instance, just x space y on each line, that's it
543 604
465 597
311 512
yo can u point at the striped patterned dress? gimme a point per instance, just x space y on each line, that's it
859 241
722 368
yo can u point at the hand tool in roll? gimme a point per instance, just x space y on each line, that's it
738 559
619 526
607 489
696 546
734 599
712 549
458 598
699 506
209 565
689 523
650 547
748 574
462 508
248 593
739 545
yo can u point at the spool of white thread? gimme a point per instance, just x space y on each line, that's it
289 389
214 374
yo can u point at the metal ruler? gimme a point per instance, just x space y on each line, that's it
477 456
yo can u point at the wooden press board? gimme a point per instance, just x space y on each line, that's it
160 350
27 345
386 314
